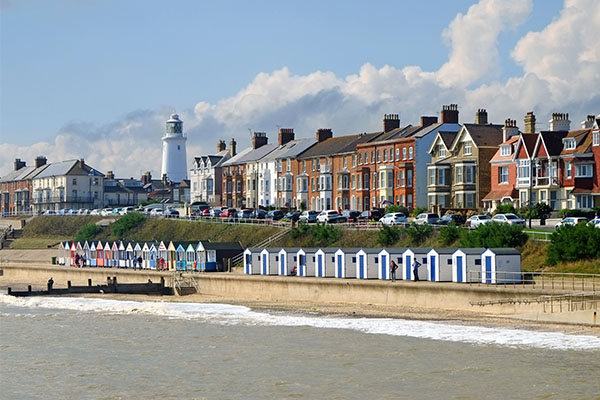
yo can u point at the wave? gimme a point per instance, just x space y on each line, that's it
239 315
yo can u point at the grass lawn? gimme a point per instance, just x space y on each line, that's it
36 242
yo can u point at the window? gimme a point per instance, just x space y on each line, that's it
505 150
345 162
74 181
373 157
468 149
569 143
359 182
470 200
353 181
391 154
378 156
459 175
353 160
409 199
409 178
503 175
74 195
441 150
568 169
404 153
390 175
583 201
359 158
441 177
384 155
312 184
596 139
402 200
470 174
523 172
303 166
288 166
397 154
410 153
431 177
313 165
584 170
402 178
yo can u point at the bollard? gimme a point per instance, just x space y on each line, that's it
162 281
89 282
594 311
9 291
29 288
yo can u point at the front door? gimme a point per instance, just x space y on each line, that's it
361 266
282 265
407 266
320 265
384 267
302 265
432 268
488 269
264 264
459 271
339 266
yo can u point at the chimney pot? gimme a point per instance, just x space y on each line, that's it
450 114
39 161
390 122
19 164
481 118
232 147
323 134
285 135
530 122
259 139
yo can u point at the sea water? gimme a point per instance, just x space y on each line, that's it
85 348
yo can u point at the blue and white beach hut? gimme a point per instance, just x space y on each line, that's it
180 264
409 256
190 258
153 255
122 258
466 265
393 254
345 262
138 253
367 262
252 261
501 266
288 258
383 270
268 265
310 261
129 255
301 262
325 263
93 255
439 266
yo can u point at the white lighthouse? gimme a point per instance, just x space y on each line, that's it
174 156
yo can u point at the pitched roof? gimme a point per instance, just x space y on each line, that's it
485 135
290 149
17 175
553 141
583 142
499 194
447 138
236 159
337 145
65 167
498 157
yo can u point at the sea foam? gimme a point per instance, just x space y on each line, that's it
238 315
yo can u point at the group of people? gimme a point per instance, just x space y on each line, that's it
79 260
394 268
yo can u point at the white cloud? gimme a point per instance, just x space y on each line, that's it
561 67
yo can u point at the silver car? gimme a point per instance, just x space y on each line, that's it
427 218
475 220
510 219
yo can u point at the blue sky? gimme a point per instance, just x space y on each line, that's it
74 70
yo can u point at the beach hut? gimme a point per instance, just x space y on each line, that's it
80 251
121 255
146 256
383 264
345 263
393 254
220 253
252 261
100 254
501 266
190 258
130 255
439 265
288 258
301 262
466 264
325 262
180 262
269 261
154 255
61 253
409 256
310 261
72 253
93 255
138 253
171 256
367 263
162 262
115 254
86 254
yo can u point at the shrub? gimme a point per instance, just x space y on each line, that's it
449 234
494 235
418 210
296 233
418 233
505 209
539 210
87 232
571 243
126 223
325 234
388 235
566 212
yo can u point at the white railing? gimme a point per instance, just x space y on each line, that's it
538 280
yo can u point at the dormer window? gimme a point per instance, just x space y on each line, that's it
569 143
505 150
441 150
468 146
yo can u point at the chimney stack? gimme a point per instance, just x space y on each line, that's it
146 178
221 146
509 129
285 135
481 118
110 175
19 164
39 161
323 134
259 139
426 121
81 163
530 122
232 147
588 123
560 122
391 122
164 179
450 114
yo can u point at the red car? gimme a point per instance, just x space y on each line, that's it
229 213
206 212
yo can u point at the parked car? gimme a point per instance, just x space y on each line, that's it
369 215
259 214
83 211
95 212
106 211
292 216
229 213
127 210
427 218
394 218
475 220
457 219
205 212
351 215
308 216
215 212
572 221
275 215
156 212
510 219
595 222
330 217
49 212
171 213
199 209
245 213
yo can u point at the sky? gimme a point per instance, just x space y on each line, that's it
97 79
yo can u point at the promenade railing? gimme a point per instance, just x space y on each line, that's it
538 280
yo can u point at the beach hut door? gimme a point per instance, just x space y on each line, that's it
320 265
384 267
302 264
264 262
407 267
361 266
282 265
459 261
339 260
248 263
488 269
432 267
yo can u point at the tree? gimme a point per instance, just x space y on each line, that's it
571 243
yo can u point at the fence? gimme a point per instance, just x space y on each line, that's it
539 280
556 303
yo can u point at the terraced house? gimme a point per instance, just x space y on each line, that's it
16 187
206 176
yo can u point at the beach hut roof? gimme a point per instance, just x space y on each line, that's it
73 246
472 250
137 246
93 246
161 246
328 250
504 251
79 246
396 250
291 249
86 245
122 245
190 247
115 246
171 246
310 249
443 250
180 248
418 250
254 249
129 246
145 247
371 250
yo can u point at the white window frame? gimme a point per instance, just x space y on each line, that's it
503 174
569 144
596 138
505 150
584 170
568 169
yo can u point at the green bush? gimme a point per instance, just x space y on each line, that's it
87 232
126 223
417 234
566 212
388 235
539 210
397 208
572 243
418 210
296 233
505 209
449 234
494 235
325 234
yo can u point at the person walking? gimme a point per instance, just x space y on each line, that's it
393 268
415 267
50 284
